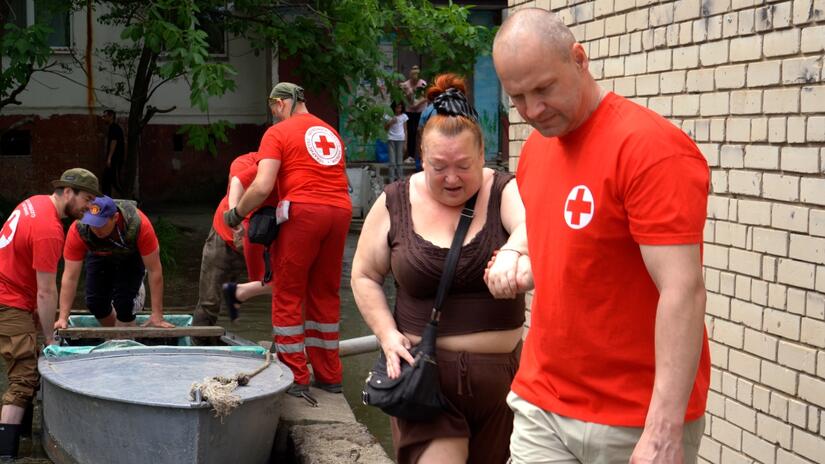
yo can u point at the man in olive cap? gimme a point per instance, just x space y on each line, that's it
31 243
306 157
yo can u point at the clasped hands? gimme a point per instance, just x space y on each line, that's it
508 273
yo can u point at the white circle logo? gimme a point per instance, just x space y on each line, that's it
579 207
323 145
12 223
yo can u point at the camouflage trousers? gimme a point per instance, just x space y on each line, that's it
219 263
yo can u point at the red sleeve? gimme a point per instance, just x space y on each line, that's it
147 241
667 203
46 253
241 163
75 248
247 175
271 145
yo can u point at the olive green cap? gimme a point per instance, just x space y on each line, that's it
80 179
286 90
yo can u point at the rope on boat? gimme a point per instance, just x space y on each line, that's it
218 390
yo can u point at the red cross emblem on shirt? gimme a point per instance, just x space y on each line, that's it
325 145
579 207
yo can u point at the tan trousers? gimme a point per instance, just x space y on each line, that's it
541 436
18 346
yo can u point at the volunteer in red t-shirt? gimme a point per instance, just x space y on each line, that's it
615 367
31 241
227 252
306 156
120 247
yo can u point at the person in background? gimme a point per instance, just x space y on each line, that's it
31 241
227 252
114 151
616 366
119 245
396 127
415 100
305 156
408 233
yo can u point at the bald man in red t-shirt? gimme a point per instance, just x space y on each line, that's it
616 365
306 157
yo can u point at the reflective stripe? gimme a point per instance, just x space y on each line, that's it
288 330
319 343
329 328
290 348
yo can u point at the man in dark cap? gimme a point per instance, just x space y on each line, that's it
31 241
306 157
119 245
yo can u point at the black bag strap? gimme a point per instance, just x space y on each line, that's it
451 262
267 266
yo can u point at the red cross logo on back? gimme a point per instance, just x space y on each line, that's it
324 145
579 207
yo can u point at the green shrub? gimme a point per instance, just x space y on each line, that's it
169 237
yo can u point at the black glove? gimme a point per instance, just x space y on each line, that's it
232 218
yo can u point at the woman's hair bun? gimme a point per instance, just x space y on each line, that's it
453 102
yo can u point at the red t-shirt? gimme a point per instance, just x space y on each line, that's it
626 177
30 241
147 241
240 164
312 161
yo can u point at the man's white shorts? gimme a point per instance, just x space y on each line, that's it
541 436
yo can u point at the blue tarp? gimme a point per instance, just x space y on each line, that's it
54 351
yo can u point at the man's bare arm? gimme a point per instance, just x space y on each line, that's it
68 290
680 317
46 303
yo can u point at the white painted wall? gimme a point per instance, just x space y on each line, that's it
49 94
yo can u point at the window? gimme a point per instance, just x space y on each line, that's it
212 23
15 142
24 13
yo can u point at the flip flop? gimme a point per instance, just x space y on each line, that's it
232 302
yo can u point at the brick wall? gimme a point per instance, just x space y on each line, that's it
744 78
64 141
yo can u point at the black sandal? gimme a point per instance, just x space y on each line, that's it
232 302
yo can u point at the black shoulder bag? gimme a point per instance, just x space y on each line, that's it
416 394
263 230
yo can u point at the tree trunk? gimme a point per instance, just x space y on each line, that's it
140 92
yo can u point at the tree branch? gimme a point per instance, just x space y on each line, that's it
12 98
159 84
152 111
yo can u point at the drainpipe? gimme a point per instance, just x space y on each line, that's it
90 80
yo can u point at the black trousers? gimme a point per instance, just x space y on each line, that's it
113 282
111 178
